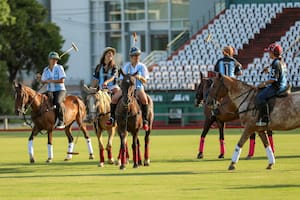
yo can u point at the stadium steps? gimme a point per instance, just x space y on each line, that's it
272 33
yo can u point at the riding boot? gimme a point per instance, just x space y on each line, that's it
145 116
263 119
61 123
111 120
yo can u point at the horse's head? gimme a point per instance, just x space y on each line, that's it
217 91
127 86
92 100
21 98
202 90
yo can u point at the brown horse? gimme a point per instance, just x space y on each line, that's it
243 96
43 117
98 104
129 119
225 112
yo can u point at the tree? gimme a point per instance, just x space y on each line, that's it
30 39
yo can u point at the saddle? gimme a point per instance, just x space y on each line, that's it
282 94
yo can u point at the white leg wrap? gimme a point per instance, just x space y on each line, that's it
236 154
30 148
70 149
270 155
89 144
50 151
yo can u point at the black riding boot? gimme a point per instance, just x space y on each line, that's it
60 116
111 121
263 117
145 116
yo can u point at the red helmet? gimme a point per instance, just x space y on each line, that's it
276 49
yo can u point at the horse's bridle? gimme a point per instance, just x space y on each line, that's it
217 103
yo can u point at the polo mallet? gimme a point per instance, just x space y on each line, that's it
209 38
72 47
134 35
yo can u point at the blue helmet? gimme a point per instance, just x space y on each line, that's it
134 51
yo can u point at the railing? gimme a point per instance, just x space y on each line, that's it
154 57
178 41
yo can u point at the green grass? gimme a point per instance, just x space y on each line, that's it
175 173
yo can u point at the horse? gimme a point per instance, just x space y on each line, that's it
98 105
225 112
43 118
129 119
243 96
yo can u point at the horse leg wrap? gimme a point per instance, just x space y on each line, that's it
201 146
236 154
101 155
70 149
109 153
251 147
270 155
89 144
222 147
30 148
50 151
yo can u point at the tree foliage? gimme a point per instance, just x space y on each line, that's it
26 38
30 39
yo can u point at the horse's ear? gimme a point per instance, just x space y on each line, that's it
219 75
201 76
85 88
121 72
135 73
16 84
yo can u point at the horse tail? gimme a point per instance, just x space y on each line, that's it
81 109
150 111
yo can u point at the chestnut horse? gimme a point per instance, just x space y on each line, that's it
243 96
129 119
98 105
43 117
225 112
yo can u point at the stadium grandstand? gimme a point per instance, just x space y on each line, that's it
249 28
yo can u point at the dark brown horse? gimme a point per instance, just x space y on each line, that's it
43 117
285 114
225 112
98 104
129 119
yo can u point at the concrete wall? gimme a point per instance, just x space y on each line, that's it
73 17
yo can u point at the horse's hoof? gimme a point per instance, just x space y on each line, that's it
91 157
140 163
249 157
221 156
110 161
200 155
122 167
101 164
49 160
147 162
231 166
31 160
67 159
135 165
118 162
270 166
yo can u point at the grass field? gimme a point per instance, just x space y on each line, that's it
174 173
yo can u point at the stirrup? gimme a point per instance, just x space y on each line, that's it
60 125
110 122
261 123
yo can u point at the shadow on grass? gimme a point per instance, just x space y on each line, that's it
267 186
276 157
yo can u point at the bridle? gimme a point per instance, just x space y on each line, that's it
216 103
